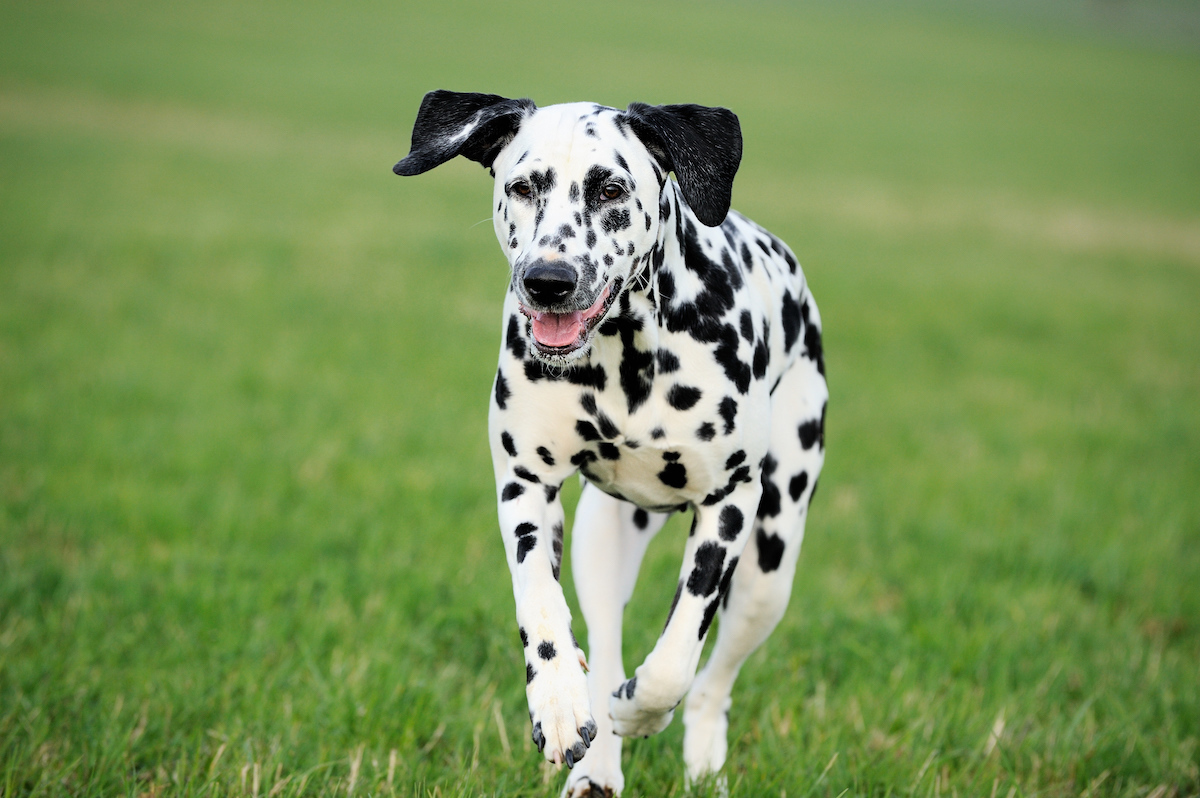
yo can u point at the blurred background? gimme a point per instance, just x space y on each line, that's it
247 525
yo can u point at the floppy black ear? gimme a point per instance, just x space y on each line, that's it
449 123
701 145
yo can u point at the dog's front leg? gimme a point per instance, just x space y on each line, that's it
531 520
644 704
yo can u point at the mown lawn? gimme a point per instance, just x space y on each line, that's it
247 525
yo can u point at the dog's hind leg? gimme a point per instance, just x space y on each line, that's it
608 542
762 584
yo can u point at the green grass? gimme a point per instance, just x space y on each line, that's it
247 526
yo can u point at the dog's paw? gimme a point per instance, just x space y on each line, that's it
588 788
563 728
637 714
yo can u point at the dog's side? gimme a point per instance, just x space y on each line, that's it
668 350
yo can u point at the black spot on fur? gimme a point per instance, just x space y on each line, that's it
735 459
683 397
710 612
511 491
797 485
609 451
588 403
544 453
667 361
556 545
747 326
791 321
513 339
551 492
573 193
674 603
768 506
507 442
586 430
529 674
657 433
607 428
641 518
810 431
587 375
760 360
706 431
525 528
502 392
524 637
726 580
582 458
546 650
770 551
526 474
728 409
730 523
615 220
706 574
673 475
524 546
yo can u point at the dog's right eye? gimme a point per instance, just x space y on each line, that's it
522 188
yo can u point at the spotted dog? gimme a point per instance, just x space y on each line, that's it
667 349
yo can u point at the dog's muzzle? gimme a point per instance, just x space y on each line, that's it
559 329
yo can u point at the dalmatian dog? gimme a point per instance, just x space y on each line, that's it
669 351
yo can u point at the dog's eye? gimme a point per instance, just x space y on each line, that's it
522 188
612 191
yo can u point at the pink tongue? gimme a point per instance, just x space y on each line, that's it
557 329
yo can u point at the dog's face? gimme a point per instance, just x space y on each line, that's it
576 204
575 210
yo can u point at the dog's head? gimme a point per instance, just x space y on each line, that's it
577 195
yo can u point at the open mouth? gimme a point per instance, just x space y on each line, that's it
563 333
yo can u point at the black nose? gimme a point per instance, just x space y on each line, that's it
549 282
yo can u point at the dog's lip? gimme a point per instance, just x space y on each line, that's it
563 333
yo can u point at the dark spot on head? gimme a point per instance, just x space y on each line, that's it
544 453
706 431
657 433
546 650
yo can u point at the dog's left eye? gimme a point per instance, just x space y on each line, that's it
522 188
612 191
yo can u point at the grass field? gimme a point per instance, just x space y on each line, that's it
247 525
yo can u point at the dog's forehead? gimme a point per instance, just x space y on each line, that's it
571 135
